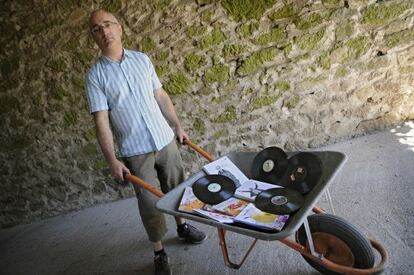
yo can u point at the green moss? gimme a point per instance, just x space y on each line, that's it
161 70
177 84
70 118
284 12
78 81
308 22
160 4
357 47
256 60
90 134
324 61
276 35
199 125
316 79
112 6
8 103
344 31
288 49
147 44
100 164
247 9
162 56
89 150
282 85
193 61
83 166
331 2
85 57
379 14
309 41
395 39
292 102
227 116
194 30
260 102
218 73
247 29
214 38
233 50
341 72
221 133
57 65
60 93
206 16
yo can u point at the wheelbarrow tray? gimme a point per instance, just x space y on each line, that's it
331 163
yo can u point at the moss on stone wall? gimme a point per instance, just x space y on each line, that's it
195 30
292 102
275 35
217 73
341 72
70 118
214 38
324 61
112 5
199 125
90 134
177 84
60 93
8 103
89 150
159 4
193 61
282 85
262 101
344 31
147 44
398 38
256 60
227 116
233 50
284 12
220 133
304 23
162 70
379 14
247 9
162 56
309 41
246 30
357 47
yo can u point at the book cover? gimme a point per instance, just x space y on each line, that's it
231 207
189 201
224 166
252 216
249 189
214 216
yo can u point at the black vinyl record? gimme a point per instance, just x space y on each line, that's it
303 172
213 189
279 201
269 165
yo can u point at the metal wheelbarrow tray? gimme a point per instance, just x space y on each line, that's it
331 163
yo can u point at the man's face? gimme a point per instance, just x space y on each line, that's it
105 29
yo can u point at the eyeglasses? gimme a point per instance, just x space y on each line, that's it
99 28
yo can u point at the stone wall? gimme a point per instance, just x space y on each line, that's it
243 75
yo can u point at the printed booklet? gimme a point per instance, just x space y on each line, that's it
251 188
252 216
189 201
224 166
231 207
214 215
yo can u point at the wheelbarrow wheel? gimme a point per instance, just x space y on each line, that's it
338 241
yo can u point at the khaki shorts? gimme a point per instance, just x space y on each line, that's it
162 169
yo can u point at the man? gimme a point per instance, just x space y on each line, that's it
126 98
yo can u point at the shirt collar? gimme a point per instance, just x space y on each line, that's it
125 54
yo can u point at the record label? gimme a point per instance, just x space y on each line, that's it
303 172
213 189
269 165
279 201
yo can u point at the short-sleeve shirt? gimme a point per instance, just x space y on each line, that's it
126 90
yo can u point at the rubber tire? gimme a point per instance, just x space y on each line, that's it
340 228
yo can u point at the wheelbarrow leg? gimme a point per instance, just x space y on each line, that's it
222 238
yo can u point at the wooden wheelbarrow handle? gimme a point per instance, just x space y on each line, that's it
199 150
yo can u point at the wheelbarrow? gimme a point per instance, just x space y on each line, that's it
328 243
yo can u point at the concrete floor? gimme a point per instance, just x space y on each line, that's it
374 191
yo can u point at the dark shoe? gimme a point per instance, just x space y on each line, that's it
161 264
191 234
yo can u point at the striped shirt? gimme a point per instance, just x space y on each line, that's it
126 90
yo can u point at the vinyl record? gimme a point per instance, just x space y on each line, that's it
213 189
303 172
269 165
279 201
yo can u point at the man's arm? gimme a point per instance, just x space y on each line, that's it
167 108
106 142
